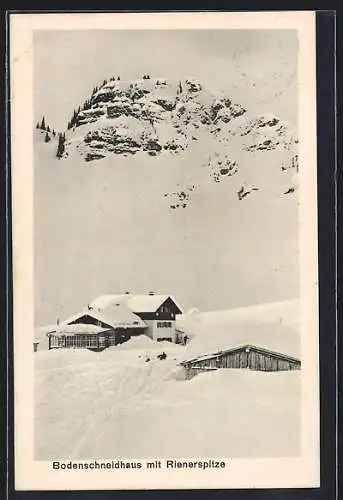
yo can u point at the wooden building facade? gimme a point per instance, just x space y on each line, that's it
244 357
158 312
159 318
89 337
95 331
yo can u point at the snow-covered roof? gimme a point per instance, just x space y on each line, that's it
79 329
114 316
137 303
273 337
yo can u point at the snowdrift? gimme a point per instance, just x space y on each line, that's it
271 337
115 405
285 313
272 326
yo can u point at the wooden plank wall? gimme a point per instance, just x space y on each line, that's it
252 359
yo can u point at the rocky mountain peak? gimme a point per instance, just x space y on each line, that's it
156 115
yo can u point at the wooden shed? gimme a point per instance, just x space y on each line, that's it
256 347
250 357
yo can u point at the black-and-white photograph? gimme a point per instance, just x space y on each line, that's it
166 245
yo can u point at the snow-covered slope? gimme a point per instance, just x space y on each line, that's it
284 313
116 405
273 326
271 337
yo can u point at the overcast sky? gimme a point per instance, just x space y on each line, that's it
257 68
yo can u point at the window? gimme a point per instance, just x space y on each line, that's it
60 341
164 324
77 341
102 341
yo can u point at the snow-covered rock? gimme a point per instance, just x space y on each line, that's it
221 166
188 109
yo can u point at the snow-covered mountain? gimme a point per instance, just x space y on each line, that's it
165 186
155 115
161 118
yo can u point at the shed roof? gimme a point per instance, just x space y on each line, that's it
136 303
275 338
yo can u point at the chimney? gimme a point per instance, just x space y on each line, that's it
58 321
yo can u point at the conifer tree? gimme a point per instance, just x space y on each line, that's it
47 137
86 104
73 120
38 125
48 128
61 145
43 123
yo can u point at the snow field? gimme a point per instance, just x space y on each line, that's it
114 404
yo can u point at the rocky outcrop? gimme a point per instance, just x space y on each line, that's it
181 198
267 132
126 117
221 166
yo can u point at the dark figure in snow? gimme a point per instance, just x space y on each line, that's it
185 339
162 356
147 359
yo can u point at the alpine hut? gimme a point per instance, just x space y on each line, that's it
113 319
158 312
